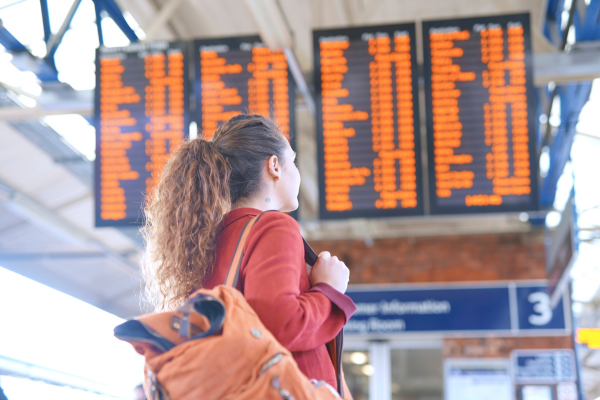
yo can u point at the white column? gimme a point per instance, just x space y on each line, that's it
380 381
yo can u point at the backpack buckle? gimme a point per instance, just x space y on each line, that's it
157 391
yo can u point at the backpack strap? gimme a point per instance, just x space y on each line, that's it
233 273
335 347
231 279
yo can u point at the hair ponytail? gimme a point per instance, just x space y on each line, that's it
182 220
198 186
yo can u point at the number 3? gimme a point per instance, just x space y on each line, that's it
541 302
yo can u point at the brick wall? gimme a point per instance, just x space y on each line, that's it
442 259
510 256
500 347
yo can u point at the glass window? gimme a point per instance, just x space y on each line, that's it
530 392
417 374
357 371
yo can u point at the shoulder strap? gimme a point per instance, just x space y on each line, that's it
335 347
233 273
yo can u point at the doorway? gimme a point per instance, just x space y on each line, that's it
394 370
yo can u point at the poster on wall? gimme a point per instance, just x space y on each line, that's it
543 366
476 379
532 392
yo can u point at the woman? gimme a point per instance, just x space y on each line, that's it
207 193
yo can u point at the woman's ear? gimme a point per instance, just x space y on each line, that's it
274 167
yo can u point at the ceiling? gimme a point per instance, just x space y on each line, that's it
46 222
210 18
46 200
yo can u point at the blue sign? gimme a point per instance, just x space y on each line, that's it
543 366
535 309
475 308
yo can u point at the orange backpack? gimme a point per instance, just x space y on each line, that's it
214 347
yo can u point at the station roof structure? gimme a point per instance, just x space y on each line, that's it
46 192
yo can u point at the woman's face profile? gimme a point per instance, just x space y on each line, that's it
289 183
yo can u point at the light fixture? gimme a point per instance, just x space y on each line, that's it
553 219
358 358
524 217
193 130
367 370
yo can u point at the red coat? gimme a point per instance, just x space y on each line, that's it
274 281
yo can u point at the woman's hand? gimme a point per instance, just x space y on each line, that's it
330 270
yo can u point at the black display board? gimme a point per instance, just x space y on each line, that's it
242 75
368 142
141 116
481 141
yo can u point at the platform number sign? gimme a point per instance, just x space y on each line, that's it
506 308
541 307
535 310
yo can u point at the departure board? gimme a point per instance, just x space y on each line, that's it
141 116
368 142
480 115
241 75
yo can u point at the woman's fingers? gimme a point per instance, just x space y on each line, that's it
329 269
308 269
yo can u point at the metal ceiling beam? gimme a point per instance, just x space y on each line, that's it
272 25
562 44
588 135
115 13
9 41
98 12
573 96
49 141
46 20
580 65
48 256
379 228
54 40
47 72
12 367
348 11
16 90
163 16
275 32
301 84
371 8
19 114
49 220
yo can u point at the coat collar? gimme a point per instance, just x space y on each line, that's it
237 214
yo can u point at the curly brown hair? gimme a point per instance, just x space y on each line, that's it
199 185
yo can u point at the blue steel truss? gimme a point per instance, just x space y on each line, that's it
10 42
45 20
112 9
46 67
586 25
